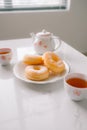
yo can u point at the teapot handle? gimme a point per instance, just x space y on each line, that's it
57 44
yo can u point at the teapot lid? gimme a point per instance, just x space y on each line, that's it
43 33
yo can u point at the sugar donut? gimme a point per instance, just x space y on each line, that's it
32 59
53 62
36 72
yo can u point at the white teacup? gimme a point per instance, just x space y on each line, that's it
5 56
76 86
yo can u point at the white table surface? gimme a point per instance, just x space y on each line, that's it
25 106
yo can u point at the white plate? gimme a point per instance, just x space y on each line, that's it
19 73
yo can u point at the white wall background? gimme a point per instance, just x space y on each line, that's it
70 26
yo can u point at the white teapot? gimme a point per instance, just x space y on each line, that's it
45 41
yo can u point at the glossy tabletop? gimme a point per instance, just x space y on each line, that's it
27 106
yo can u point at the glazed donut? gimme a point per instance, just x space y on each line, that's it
32 59
36 72
53 62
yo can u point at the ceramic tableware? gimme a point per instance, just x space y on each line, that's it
76 86
45 41
5 56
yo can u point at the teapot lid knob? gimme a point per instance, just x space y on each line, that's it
43 33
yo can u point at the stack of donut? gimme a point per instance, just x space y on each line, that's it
39 67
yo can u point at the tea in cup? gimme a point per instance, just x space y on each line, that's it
5 56
76 86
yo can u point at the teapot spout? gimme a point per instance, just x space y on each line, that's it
32 35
